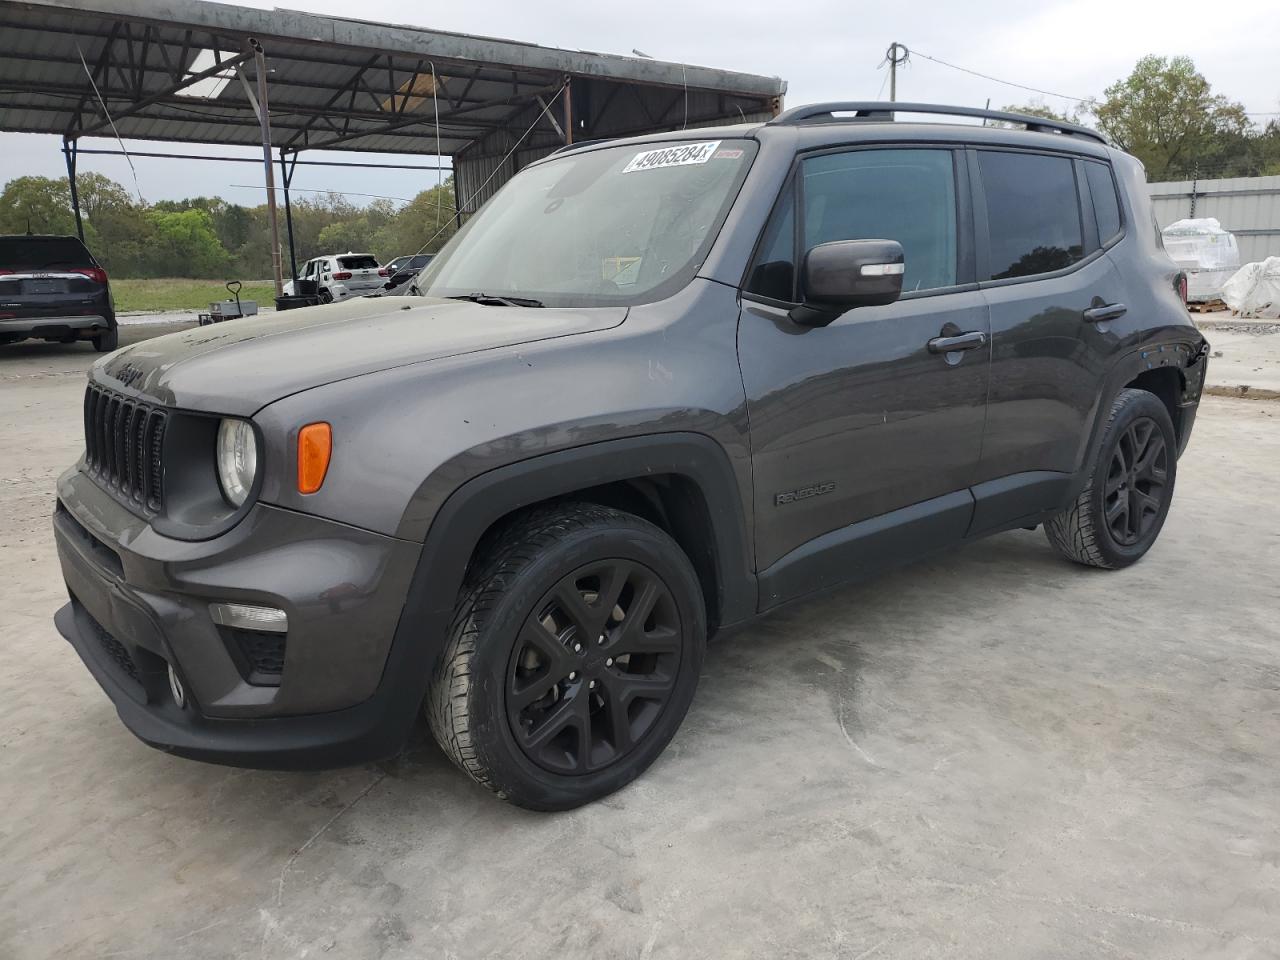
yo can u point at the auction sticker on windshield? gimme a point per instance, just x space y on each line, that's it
686 153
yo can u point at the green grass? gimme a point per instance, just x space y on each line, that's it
179 294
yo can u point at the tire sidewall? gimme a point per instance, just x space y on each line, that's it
513 773
108 341
1139 404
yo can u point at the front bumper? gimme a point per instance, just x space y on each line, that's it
140 604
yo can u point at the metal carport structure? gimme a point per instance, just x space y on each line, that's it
191 71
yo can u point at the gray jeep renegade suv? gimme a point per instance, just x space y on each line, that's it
653 389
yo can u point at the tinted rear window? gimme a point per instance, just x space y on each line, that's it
359 263
34 253
1105 205
1033 215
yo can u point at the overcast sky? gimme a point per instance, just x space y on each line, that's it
824 49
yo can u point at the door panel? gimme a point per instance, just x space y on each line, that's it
1042 269
1047 363
858 418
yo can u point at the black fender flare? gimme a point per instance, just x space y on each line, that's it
483 500
1178 354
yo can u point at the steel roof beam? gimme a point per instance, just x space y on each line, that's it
142 104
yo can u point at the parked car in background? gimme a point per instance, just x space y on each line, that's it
653 389
403 269
339 276
51 288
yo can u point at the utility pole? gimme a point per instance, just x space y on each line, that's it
896 54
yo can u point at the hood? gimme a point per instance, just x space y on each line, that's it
239 366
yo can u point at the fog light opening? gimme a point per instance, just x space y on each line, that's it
176 688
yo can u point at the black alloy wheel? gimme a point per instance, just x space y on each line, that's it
573 655
1137 476
1119 513
593 667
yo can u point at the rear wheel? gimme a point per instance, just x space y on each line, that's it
1120 512
326 296
107 341
572 659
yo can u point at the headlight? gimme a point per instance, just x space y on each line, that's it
237 460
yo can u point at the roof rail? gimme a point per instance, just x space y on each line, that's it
885 110
570 147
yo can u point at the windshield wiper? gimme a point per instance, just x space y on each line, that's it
493 300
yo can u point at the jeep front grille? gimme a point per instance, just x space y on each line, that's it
123 440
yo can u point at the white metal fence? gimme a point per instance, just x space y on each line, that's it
1247 206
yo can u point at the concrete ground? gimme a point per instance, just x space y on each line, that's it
1245 356
992 754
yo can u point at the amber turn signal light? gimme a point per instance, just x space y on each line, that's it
315 443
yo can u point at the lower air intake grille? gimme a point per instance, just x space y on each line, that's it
260 656
117 652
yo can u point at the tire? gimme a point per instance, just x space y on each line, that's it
108 341
1119 514
326 296
524 701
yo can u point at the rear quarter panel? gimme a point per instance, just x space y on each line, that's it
1157 331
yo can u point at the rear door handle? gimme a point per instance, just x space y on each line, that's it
963 341
1108 311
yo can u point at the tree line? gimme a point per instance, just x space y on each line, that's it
1166 114
211 238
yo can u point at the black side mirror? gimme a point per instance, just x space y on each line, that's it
843 274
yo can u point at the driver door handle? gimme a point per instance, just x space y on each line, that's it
963 341
1108 311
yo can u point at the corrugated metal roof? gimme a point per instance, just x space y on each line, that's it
335 83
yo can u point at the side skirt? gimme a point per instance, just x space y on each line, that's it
867 548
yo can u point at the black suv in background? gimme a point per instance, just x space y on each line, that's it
403 269
652 389
51 288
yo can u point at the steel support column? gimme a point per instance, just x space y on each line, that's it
69 151
264 118
286 178
568 110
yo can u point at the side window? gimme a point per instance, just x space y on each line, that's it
903 195
774 272
1106 206
1033 213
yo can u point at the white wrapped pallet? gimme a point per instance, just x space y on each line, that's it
1254 289
1207 253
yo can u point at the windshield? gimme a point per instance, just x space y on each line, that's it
619 225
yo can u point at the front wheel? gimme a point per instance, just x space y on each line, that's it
1120 512
572 659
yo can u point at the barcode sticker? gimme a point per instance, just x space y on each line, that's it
684 154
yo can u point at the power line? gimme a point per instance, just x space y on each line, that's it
1007 83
